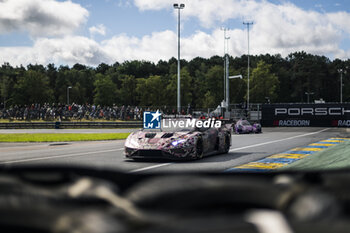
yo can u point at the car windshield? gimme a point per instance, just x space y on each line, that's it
246 123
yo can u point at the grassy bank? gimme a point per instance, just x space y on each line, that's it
61 137
336 157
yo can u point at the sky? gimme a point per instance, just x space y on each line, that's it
94 31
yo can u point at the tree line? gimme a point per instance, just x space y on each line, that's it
144 83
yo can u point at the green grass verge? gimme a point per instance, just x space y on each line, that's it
336 157
61 137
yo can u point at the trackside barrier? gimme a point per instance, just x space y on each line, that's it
69 125
306 115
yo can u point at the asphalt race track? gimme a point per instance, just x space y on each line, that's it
109 154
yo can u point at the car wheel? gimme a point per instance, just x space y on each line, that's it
199 148
227 144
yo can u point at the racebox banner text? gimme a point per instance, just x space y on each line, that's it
303 115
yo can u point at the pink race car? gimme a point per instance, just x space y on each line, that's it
243 127
178 143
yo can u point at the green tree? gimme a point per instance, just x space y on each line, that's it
80 78
215 84
128 90
186 89
33 87
311 73
137 69
238 88
263 83
209 100
61 84
4 88
145 83
198 84
152 91
105 91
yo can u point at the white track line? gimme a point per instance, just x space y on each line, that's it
150 167
279 140
58 156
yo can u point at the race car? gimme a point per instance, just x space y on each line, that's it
243 126
178 143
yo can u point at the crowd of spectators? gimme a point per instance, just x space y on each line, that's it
58 112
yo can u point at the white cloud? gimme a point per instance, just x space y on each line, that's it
67 50
153 4
41 17
209 12
99 29
340 20
159 45
76 49
278 28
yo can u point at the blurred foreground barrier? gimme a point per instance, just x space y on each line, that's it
70 125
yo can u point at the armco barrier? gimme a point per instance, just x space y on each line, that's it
69 125
305 115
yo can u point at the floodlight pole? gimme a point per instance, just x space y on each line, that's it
248 25
178 7
232 77
236 76
225 38
308 96
69 87
341 85
226 78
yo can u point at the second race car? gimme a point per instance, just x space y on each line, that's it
243 126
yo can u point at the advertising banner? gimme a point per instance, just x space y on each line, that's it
305 115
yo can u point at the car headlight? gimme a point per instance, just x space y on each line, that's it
175 143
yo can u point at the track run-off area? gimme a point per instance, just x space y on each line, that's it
109 154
